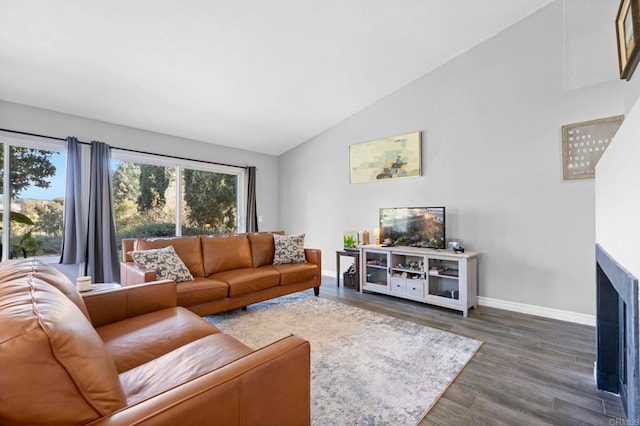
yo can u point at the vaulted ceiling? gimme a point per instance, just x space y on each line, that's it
252 74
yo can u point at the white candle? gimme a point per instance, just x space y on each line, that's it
83 283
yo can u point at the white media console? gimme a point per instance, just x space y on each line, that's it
437 277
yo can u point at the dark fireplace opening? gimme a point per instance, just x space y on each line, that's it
617 355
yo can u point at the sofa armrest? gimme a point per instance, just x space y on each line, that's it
314 256
130 273
270 386
106 307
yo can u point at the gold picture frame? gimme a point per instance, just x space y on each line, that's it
385 159
584 143
628 36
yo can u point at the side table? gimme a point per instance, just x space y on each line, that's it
356 258
101 287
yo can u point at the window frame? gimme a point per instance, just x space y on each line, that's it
8 143
180 165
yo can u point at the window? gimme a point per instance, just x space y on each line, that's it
149 203
210 202
35 194
144 199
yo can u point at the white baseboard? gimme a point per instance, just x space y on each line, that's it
329 273
540 311
523 308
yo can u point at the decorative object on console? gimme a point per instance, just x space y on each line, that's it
166 263
390 158
628 36
453 244
584 143
350 240
364 237
376 235
288 249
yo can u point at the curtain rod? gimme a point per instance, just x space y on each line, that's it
125 149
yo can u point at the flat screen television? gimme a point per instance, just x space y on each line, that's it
413 227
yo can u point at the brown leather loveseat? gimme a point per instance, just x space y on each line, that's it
130 356
229 271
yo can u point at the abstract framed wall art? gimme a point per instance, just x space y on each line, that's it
628 36
384 159
584 143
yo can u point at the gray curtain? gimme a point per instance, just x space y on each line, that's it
73 236
252 213
102 250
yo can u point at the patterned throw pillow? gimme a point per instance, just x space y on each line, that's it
288 249
165 261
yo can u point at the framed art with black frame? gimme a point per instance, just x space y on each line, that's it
628 36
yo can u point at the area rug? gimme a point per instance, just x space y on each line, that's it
366 368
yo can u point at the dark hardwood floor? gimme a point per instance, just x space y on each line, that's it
529 370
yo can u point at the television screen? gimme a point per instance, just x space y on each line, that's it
413 227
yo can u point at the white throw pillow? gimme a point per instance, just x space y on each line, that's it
165 261
288 249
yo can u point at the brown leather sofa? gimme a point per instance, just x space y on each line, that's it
130 356
230 271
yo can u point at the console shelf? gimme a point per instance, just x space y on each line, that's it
437 277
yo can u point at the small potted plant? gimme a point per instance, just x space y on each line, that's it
350 241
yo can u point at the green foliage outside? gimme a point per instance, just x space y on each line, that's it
144 201
163 229
126 187
21 245
46 215
154 181
43 234
211 201
38 219
28 167
148 230
24 246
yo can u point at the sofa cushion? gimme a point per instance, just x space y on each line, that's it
288 249
262 247
201 290
181 365
248 280
225 252
165 262
45 339
294 273
188 248
140 339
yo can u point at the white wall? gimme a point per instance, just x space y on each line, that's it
616 187
618 195
491 122
35 120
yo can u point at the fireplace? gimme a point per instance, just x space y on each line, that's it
617 357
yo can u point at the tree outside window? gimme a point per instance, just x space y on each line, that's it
36 202
210 202
145 200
